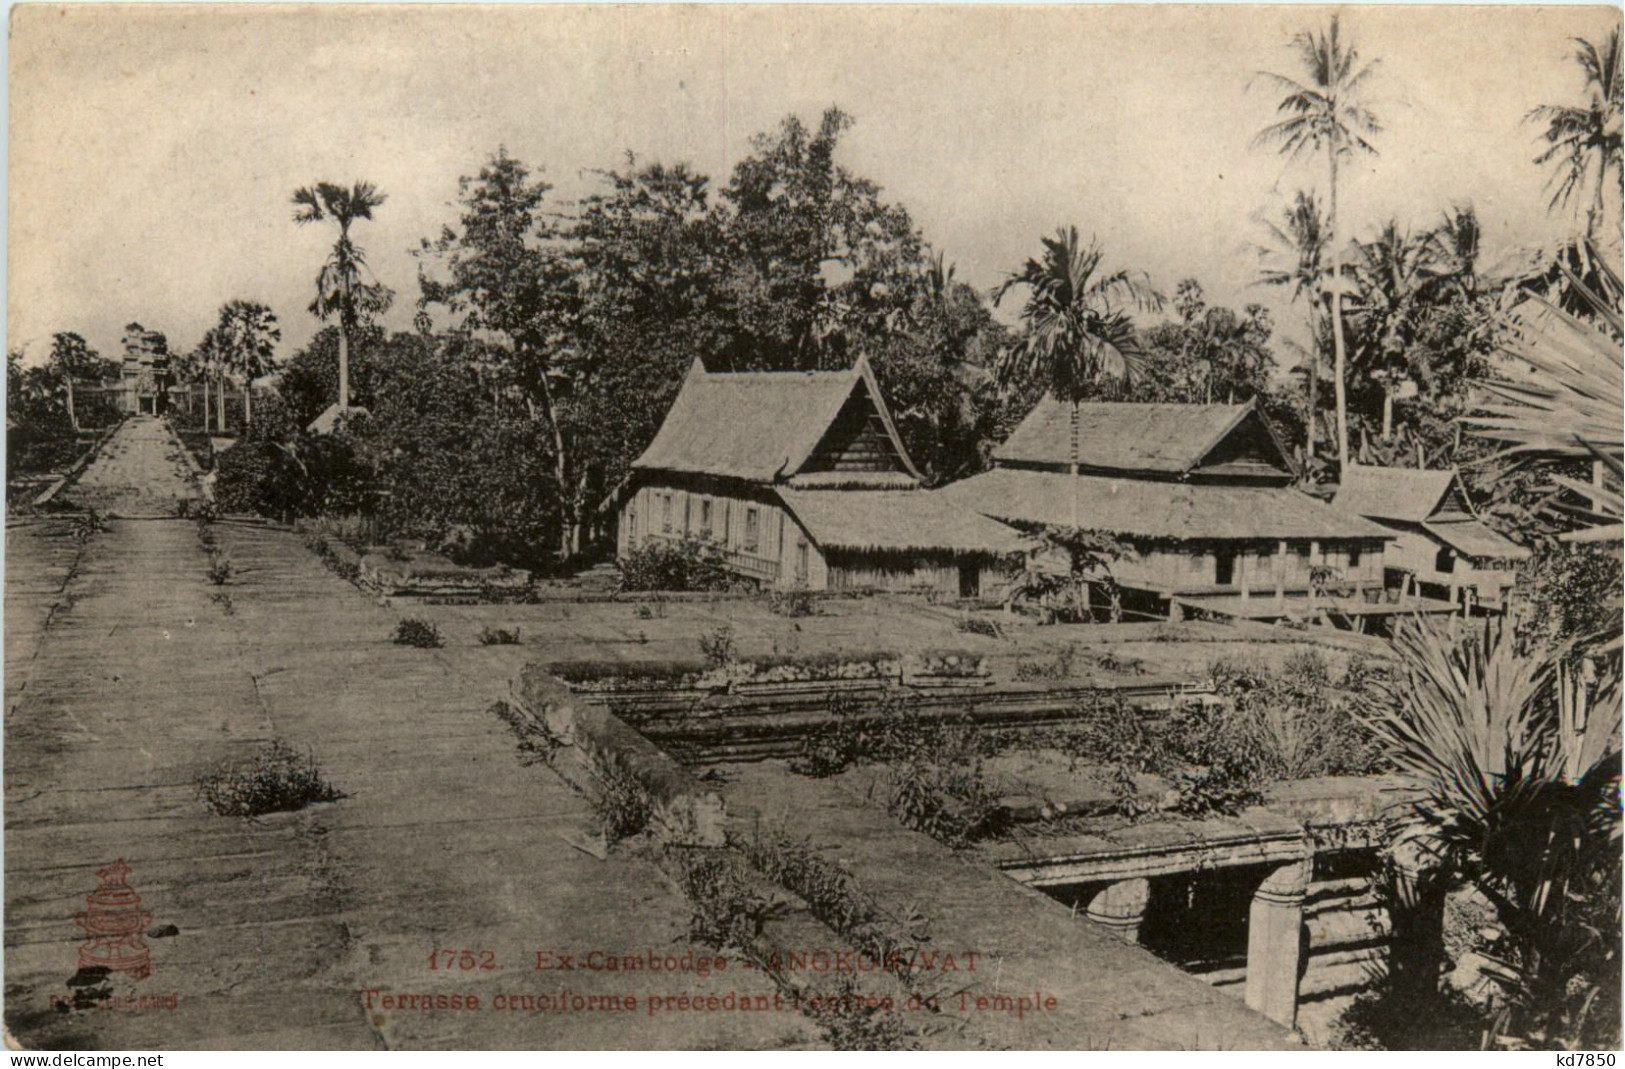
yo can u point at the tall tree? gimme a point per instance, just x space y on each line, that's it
504 282
1076 331
1396 275
1325 113
1584 140
817 259
247 335
73 358
1293 257
341 289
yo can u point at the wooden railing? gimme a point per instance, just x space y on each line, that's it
751 564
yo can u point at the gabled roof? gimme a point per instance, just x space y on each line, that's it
1471 538
1153 509
897 521
760 426
1407 495
1169 439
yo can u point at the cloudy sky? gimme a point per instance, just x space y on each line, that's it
153 150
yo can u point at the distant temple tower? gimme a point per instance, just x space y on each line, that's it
144 376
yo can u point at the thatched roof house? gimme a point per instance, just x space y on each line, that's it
801 479
1201 494
1439 539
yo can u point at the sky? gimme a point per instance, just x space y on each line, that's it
154 149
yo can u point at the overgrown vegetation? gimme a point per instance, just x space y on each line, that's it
793 603
1517 756
621 803
220 569
499 636
415 631
536 742
275 779
672 565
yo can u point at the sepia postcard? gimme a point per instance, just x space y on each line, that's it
851 527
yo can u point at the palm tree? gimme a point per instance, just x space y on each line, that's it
340 288
1395 273
1584 140
1295 258
1325 113
211 355
1077 334
1515 757
247 335
1566 405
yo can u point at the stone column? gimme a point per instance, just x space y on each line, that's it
1120 907
1274 941
1416 894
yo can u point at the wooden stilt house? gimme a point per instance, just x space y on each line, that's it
799 479
1441 548
1200 495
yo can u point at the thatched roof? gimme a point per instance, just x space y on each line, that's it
760 426
328 421
1471 538
1408 495
1162 438
1155 509
896 521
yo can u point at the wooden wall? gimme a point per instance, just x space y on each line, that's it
768 553
1193 567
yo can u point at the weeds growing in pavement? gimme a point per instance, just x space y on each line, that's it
413 631
275 779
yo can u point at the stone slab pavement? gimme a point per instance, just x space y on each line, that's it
127 677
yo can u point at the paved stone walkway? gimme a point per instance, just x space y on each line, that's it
126 678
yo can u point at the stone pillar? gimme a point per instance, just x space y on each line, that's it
1120 907
1416 894
1274 942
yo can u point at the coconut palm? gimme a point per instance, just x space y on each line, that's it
1325 113
1077 334
340 287
247 335
1396 273
1294 258
1514 756
1584 140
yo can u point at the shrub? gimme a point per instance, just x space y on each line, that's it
536 742
499 636
977 625
413 631
1222 789
276 779
1029 670
223 599
220 570
792 603
664 564
726 910
622 805
951 803
718 646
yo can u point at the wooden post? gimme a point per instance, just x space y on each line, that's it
1280 574
1242 556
